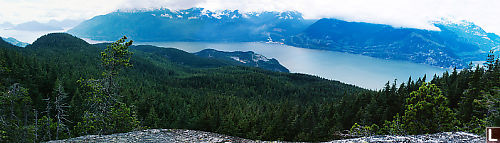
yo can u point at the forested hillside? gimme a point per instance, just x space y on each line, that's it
247 58
61 87
466 100
157 91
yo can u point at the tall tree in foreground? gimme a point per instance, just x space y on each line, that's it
61 106
114 58
106 114
491 96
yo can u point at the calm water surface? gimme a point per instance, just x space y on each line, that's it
359 70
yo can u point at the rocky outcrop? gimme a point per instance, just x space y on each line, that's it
446 137
181 136
157 135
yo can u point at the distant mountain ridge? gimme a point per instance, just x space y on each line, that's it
454 46
14 41
35 26
52 25
6 44
469 32
5 25
194 24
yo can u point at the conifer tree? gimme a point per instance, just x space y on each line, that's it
15 110
427 111
469 107
107 114
47 120
491 97
61 106
114 58
152 119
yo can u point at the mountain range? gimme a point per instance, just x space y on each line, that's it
6 25
52 25
455 45
194 24
35 26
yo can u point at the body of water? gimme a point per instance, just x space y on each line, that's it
354 69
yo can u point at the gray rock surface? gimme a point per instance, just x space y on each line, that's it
158 135
182 136
445 137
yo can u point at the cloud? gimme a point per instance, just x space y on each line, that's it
399 13
17 11
171 4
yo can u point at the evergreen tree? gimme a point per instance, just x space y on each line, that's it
491 97
47 121
152 119
427 111
469 106
114 58
61 106
76 108
107 114
15 110
394 127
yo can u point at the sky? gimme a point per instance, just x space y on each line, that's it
398 13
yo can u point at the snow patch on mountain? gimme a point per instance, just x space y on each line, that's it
205 13
259 57
469 32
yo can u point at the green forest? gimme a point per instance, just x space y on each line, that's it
61 87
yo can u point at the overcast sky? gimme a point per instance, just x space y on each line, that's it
399 13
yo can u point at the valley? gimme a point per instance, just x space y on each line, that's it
310 71
363 71
455 43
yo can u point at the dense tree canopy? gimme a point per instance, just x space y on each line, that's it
170 88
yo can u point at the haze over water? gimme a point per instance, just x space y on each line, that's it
354 69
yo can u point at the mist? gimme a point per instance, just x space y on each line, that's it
398 13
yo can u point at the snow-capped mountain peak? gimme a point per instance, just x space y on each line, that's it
468 32
202 13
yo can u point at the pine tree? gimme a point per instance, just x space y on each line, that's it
61 106
152 119
491 97
47 120
469 106
114 58
15 110
394 127
76 107
107 114
35 112
427 111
